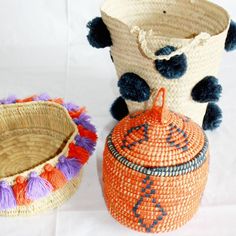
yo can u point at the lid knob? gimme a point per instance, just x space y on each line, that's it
159 111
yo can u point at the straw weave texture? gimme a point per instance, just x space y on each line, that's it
155 169
53 200
33 135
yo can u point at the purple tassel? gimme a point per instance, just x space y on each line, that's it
37 187
42 97
70 167
11 99
7 199
85 143
71 107
84 120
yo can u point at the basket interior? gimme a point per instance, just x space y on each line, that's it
170 18
31 134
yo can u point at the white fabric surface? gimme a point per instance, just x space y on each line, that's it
43 48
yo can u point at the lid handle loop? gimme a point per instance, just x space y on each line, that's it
160 110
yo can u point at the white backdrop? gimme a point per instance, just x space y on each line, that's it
43 48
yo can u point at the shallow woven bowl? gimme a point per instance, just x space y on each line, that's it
139 28
155 169
40 168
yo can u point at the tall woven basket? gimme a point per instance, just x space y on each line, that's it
155 169
44 146
173 44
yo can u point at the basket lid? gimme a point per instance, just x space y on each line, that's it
158 137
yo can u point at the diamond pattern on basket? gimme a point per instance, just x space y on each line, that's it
147 193
142 136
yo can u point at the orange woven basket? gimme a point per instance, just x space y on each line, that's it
155 169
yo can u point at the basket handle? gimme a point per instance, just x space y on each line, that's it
200 39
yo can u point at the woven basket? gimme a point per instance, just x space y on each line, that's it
44 145
155 169
139 28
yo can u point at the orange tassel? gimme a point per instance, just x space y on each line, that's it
57 100
78 152
87 133
54 176
29 99
19 189
75 114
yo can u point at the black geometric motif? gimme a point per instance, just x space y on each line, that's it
180 131
148 192
143 128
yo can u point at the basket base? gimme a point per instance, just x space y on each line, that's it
52 201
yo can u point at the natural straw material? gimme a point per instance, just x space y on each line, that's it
139 28
42 153
155 169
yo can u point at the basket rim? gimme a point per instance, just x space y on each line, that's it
38 168
157 37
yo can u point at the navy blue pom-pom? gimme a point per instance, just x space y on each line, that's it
134 88
207 90
99 36
119 109
230 43
213 117
174 68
